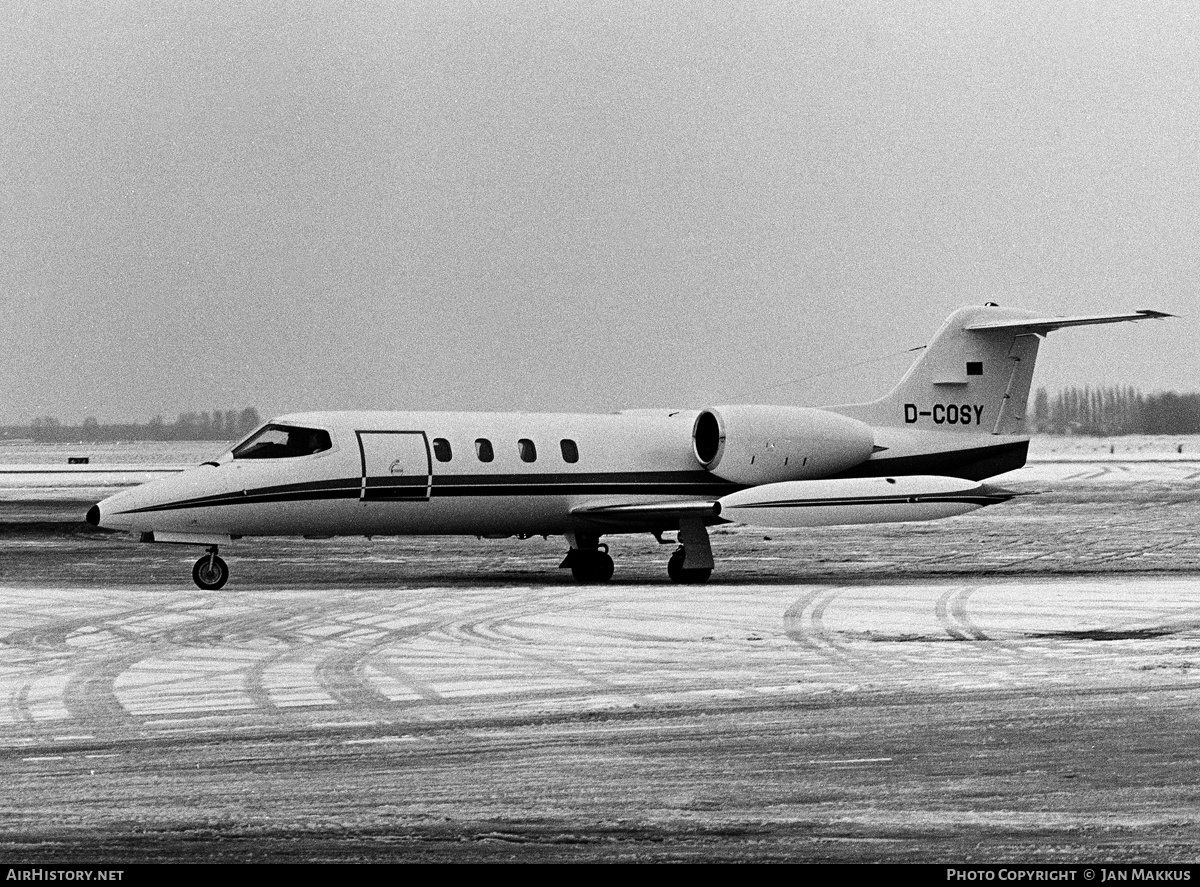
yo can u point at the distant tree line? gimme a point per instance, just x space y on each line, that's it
217 425
1096 411
1115 410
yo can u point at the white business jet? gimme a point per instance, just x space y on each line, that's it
919 453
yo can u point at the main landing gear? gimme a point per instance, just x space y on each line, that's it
588 559
691 564
210 572
681 574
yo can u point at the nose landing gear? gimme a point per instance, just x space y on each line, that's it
210 572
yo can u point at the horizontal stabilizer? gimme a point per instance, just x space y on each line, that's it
865 500
1043 325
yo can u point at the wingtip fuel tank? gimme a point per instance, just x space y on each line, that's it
864 500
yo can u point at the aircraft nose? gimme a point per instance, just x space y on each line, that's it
109 514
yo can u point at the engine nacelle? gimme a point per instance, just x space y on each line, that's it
750 444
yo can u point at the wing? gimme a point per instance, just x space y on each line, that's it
649 515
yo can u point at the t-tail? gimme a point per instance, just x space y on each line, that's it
960 410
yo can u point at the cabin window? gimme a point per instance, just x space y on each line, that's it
483 449
441 449
527 450
974 367
570 451
284 442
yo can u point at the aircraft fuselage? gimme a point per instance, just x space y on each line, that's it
432 473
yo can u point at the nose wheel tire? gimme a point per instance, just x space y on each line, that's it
686 577
210 572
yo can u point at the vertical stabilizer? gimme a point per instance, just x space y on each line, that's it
974 377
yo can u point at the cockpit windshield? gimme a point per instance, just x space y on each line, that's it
283 442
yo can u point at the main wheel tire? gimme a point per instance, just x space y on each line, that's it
675 566
591 567
604 567
686 577
581 569
210 572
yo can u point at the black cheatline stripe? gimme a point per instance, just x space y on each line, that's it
634 483
293 493
877 500
975 463
567 489
66 469
283 489
445 481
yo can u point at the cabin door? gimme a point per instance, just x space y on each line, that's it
395 465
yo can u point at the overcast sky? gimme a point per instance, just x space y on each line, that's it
579 206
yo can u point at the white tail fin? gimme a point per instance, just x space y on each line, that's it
974 377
